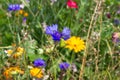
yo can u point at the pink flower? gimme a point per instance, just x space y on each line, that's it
72 4
116 37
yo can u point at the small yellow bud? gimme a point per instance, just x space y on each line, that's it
21 12
25 14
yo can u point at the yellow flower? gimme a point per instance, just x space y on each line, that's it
25 14
75 44
19 51
12 70
36 72
21 12
9 52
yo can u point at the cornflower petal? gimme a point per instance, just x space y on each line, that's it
14 7
51 29
116 22
66 33
56 36
39 63
64 65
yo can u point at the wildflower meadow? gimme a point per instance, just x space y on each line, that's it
59 39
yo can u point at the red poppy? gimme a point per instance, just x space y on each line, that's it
72 4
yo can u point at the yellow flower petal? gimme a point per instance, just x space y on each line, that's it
36 72
75 44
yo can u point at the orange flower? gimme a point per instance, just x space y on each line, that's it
12 70
21 12
13 44
25 14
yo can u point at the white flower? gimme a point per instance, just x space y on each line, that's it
22 6
53 1
74 68
46 77
40 51
30 67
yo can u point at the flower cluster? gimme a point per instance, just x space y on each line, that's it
75 43
56 35
18 52
19 11
22 12
11 71
15 7
37 71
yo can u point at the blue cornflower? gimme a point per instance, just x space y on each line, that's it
56 36
24 19
39 63
64 65
118 40
66 33
14 7
116 22
51 29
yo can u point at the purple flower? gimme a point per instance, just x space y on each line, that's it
56 36
39 63
24 21
118 11
64 65
116 22
51 29
14 7
66 33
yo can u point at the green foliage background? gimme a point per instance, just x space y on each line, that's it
101 51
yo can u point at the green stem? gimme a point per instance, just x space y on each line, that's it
72 58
